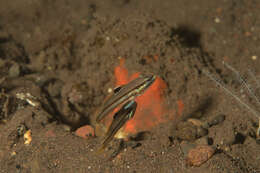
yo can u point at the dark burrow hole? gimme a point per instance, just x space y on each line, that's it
210 141
141 136
239 138
189 37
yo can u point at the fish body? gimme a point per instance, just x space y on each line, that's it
119 120
125 93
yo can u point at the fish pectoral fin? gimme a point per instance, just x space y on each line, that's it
128 108
119 120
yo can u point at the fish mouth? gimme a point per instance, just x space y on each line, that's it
149 81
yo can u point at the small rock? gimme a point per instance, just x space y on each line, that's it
13 153
50 134
27 137
186 131
77 93
258 141
54 88
109 90
75 96
217 20
224 135
226 148
21 129
199 155
85 131
254 57
14 70
217 120
189 131
165 141
201 132
195 122
186 147
229 138
202 141
66 128
205 125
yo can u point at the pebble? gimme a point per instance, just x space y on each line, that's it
85 131
109 90
13 153
195 122
201 132
217 20
14 70
186 131
186 147
66 128
228 139
217 120
189 132
165 141
54 88
252 133
254 57
227 148
199 155
107 38
50 134
202 141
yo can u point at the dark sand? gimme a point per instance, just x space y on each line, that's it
48 48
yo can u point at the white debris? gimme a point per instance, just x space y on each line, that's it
254 57
217 20
31 100
109 90
27 137
107 38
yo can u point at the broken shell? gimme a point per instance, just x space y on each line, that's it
30 99
27 137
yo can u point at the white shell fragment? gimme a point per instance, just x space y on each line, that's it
31 100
